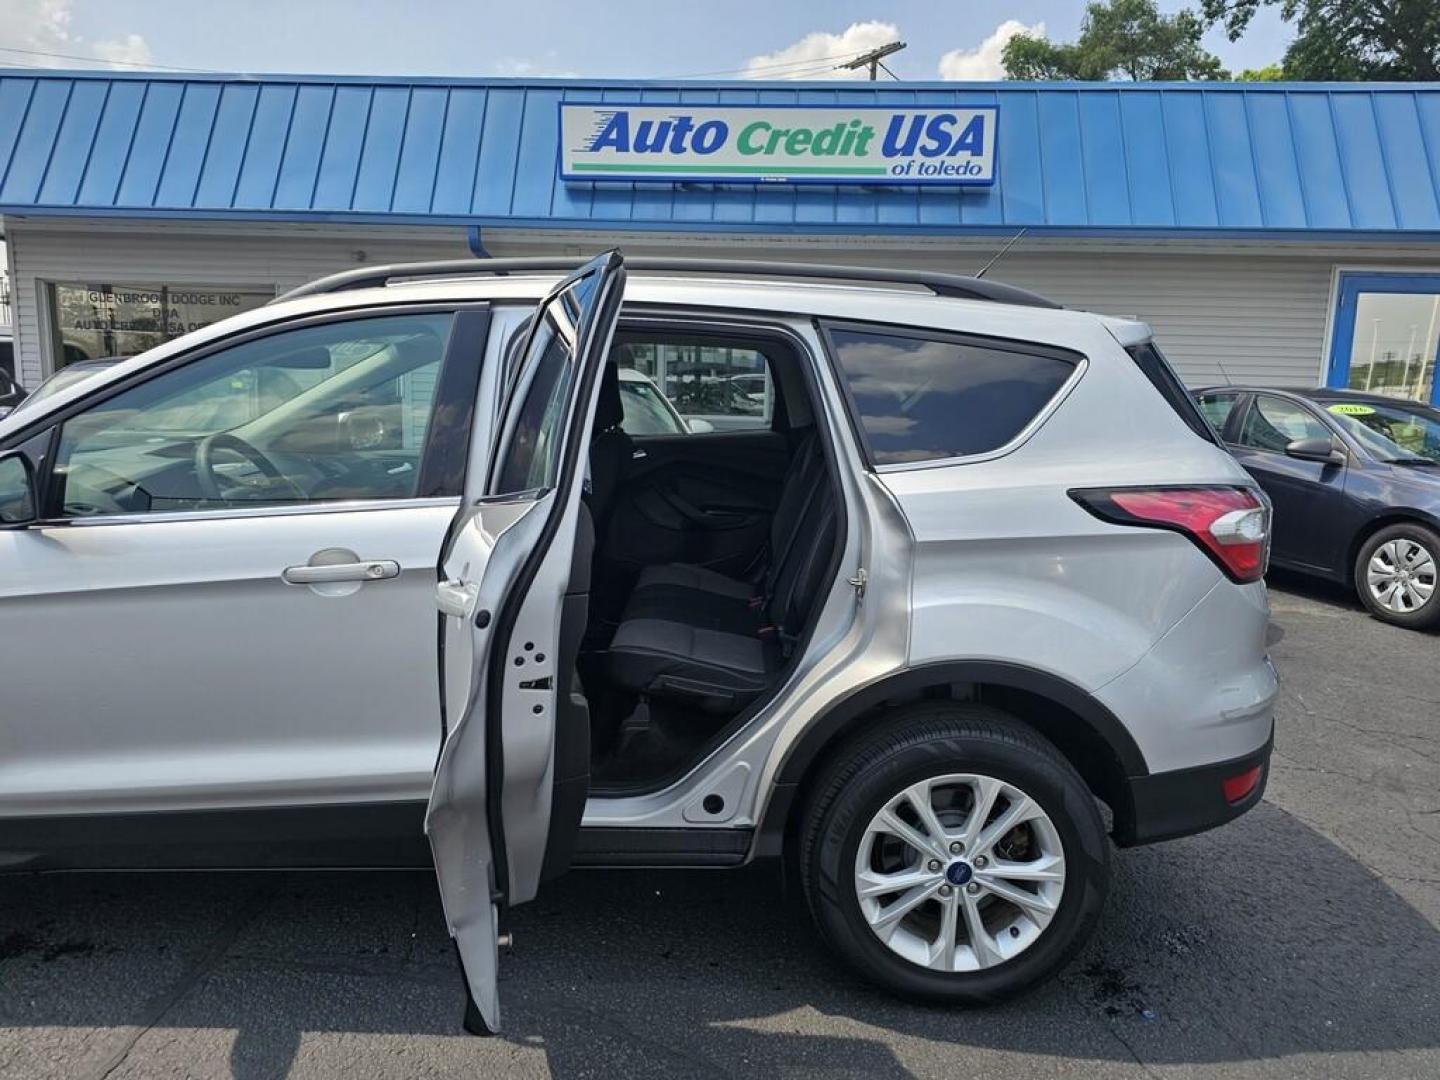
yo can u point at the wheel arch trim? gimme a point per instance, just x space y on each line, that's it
840 718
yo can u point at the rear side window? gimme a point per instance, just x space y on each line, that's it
921 397
1162 376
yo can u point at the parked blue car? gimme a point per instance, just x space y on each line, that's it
1355 480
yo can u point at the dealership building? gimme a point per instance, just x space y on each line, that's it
1278 233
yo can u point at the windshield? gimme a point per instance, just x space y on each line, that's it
1396 432
646 410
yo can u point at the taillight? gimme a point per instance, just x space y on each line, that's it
1230 524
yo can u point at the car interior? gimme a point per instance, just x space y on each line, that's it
712 549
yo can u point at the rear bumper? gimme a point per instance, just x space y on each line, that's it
1184 801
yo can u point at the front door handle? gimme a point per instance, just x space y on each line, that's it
368 570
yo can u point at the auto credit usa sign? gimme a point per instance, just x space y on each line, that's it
803 144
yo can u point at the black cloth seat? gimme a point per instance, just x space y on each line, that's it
690 632
716 601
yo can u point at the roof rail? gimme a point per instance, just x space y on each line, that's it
950 285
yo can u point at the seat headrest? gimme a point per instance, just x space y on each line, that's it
609 409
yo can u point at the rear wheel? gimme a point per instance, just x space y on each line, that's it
1395 575
954 855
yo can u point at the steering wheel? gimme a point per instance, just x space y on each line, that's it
209 482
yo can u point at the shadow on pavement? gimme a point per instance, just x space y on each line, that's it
1258 941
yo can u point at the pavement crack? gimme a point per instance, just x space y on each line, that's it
214 951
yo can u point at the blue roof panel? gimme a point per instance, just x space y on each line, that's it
1163 158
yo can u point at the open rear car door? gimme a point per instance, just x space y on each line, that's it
512 766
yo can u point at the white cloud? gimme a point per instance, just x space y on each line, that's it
814 56
35 28
524 67
986 62
130 51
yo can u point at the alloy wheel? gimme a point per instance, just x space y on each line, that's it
960 872
1401 575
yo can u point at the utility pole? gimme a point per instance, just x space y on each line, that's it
872 59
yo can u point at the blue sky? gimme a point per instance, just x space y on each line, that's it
624 38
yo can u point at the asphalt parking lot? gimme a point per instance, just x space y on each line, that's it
1303 940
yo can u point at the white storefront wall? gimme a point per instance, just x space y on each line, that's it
1247 310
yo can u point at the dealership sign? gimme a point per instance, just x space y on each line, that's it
814 144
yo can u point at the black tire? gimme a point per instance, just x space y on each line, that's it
1427 615
930 740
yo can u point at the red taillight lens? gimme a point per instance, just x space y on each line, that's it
1237 787
1231 525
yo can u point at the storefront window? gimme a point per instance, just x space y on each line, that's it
1387 335
94 321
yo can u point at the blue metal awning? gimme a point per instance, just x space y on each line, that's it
1348 160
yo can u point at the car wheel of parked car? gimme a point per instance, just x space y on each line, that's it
1395 575
954 855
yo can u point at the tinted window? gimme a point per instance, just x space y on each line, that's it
317 414
1274 423
921 398
1217 408
1157 369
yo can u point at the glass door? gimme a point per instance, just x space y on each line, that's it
1386 330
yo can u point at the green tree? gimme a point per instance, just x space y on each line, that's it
1119 39
1269 73
1348 39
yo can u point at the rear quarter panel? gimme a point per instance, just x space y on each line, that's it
1008 567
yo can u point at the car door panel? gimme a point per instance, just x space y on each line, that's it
228 653
199 678
698 499
508 583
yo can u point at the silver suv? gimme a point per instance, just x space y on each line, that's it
981 588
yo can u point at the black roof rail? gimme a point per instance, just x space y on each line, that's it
951 285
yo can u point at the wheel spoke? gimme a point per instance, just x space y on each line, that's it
1021 809
942 953
986 792
981 943
893 824
1045 868
919 797
869 884
1032 904
889 917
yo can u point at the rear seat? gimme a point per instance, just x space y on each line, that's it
689 631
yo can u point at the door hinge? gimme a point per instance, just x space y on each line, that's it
858 582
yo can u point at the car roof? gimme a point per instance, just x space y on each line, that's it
1317 393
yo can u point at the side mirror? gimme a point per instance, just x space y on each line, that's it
698 426
1321 449
17 491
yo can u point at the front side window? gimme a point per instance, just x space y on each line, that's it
324 413
921 398
1274 423
1217 408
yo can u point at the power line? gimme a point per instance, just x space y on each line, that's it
829 61
101 60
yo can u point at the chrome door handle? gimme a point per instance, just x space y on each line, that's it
370 570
